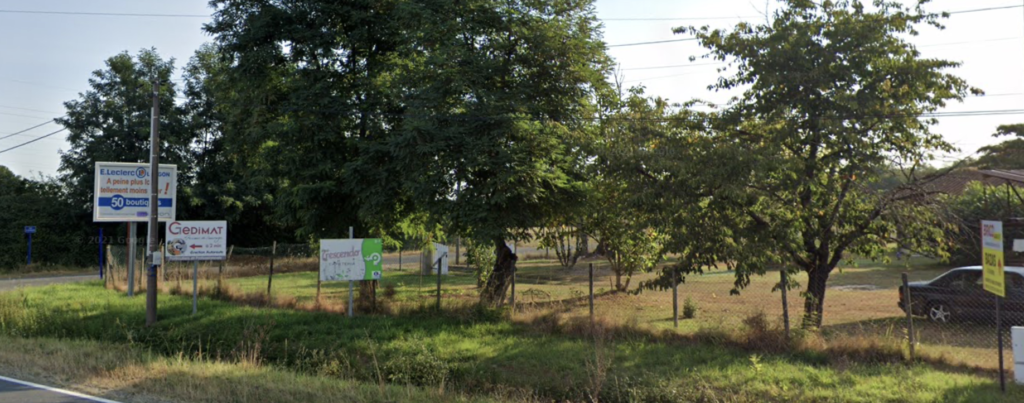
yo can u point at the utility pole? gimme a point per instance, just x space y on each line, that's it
153 259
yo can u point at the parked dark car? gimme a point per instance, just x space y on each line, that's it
959 294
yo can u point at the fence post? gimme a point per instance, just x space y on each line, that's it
399 258
675 299
195 286
270 278
513 301
350 284
999 337
131 257
439 285
107 265
907 304
784 279
220 274
591 293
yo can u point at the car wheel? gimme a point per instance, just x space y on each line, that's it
939 312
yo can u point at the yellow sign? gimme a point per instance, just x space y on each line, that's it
992 257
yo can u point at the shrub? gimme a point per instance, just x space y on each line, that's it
422 369
690 308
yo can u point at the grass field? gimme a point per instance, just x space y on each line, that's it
480 354
861 301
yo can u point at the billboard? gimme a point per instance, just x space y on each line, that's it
121 192
351 259
197 240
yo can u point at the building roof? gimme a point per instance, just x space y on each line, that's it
955 182
1012 175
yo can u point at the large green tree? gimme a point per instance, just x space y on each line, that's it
1008 154
833 94
470 112
223 188
111 122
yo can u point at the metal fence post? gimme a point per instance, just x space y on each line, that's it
351 235
999 337
270 277
785 300
907 305
675 299
438 263
591 293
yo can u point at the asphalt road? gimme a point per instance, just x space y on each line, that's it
7 285
12 390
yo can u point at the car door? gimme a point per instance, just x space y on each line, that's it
969 299
944 293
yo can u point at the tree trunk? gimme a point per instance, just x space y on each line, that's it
814 298
501 277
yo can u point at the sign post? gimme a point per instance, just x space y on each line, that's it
194 241
29 231
351 234
122 192
351 260
994 279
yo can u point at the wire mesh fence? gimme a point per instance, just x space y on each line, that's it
952 317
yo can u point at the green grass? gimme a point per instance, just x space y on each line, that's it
126 373
861 300
473 351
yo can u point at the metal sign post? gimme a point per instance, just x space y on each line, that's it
195 241
131 258
351 235
29 231
994 279
195 286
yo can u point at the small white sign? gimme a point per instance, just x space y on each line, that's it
441 252
121 192
197 240
351 259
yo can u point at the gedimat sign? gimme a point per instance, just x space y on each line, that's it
197 240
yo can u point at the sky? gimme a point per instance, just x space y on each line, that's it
48 58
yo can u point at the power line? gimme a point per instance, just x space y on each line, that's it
33 140
670 76
759 16
675 66
103 14
651 43
25 109
972 42
33 127
20 115
986 9
680 18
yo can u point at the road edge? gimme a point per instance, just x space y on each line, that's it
57 390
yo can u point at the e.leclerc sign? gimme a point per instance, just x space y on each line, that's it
197 240
121 192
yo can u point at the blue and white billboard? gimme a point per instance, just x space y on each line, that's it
122 192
